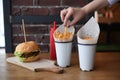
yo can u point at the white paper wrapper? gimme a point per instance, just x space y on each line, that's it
61 28
91 29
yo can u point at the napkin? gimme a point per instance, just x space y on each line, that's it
90 29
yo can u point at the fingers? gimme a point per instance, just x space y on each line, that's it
75 13
74 21
78 15
66 14
63 14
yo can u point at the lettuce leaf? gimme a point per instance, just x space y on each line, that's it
21 58
17 53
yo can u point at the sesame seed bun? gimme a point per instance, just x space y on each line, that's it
27 51
27 47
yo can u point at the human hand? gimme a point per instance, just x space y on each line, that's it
76 13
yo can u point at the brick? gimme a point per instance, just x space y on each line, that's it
44 48
31 29
54 11
16 11
37 30
43 38
74 2
49 2
34 11
20 39
20 2
16 29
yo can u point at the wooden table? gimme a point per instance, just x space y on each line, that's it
107 67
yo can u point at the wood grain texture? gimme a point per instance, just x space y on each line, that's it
40 65
107 67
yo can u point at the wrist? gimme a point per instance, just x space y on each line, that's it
84 10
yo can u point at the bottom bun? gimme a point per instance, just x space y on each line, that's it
32 58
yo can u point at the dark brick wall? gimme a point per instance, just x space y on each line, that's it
42 7
38 32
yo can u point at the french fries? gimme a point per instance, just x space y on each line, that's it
87 38
63 35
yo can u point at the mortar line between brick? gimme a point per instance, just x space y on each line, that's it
39 6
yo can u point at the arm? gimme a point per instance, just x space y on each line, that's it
95 5
79 13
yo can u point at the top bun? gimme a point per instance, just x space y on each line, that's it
27 47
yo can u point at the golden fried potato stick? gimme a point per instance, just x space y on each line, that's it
87 38
63 36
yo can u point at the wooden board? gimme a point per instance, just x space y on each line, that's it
40 65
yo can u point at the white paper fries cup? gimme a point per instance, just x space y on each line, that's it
63 47
63 52
61 28
87 46
86 56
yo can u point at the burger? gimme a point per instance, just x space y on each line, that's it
27 51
